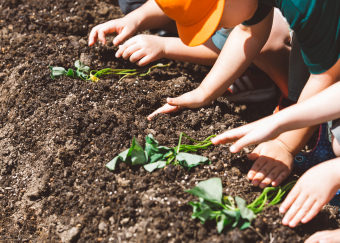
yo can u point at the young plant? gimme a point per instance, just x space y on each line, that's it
227 211
155 156
83 72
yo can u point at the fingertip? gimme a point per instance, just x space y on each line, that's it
214 141
169 100
282 210
251 175
233 149
252 156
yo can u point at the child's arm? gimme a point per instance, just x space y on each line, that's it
313 190
242 45
274 158
144 49
315 110
148 16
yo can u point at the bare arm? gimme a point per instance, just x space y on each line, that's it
148 16
308 112
242 45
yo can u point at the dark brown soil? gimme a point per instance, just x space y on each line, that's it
57 135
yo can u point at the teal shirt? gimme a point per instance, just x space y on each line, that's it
317 27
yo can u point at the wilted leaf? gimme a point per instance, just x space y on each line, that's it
191 160
210 190
156 165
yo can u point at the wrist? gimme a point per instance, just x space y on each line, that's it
334 167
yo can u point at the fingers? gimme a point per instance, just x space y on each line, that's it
301 209
164 109
99 32
93 36
324 236
312 212
292 195
265 172
190 100
228 136
304 206
121 37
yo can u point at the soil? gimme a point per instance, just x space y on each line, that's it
57 135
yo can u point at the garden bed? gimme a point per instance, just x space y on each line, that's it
57 135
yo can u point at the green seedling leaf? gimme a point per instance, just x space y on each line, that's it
85 73
81 66
246 213
120 157
137 153
134 156
153 151
223 221
156 165
237 219
191 160
210 190
245 225
70 73
212 205
57 71
202 211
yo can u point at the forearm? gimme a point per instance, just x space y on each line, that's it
307 115
312 111
149 16
205 54
242 45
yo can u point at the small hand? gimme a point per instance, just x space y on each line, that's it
273 163
164 109
122 26
142 49
253 133
327 236
313 190
192 99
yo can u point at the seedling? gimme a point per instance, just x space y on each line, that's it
155 156
83 72
227 211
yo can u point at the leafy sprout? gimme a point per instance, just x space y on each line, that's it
154 156
83 72
227 211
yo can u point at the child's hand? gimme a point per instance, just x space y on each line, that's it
122 26
253 133
329 236
142 49
164 109
313 190
193 99
273 163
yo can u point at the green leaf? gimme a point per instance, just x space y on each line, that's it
203 212
156 165
230 213
81 66
221 223
153 151
57 71
70 73
246 213
136 152
191 160
210 190
120 157
237 218
245 225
